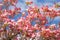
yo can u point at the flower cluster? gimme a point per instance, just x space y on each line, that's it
22 29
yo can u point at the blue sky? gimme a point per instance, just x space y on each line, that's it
21 3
